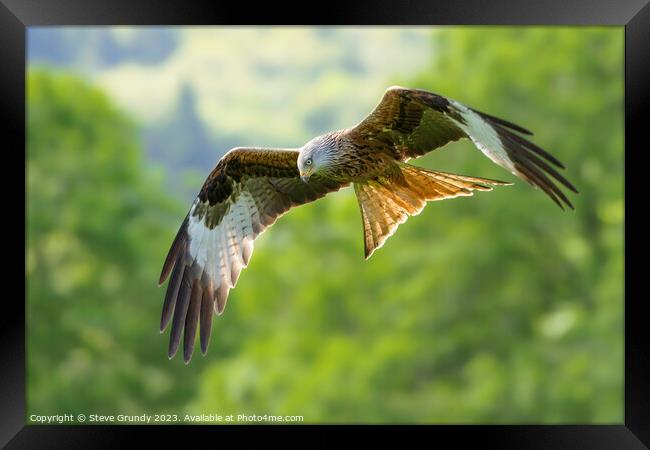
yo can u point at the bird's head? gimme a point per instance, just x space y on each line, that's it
316 156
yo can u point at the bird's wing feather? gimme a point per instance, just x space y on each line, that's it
245 194
411 122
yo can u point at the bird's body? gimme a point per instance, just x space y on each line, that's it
251 187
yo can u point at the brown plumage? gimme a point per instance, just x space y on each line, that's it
251 187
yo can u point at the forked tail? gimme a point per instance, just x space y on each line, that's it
386 204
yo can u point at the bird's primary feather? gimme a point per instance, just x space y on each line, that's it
251 187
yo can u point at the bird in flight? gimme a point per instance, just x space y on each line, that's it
251 187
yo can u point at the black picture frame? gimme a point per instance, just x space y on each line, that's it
634 15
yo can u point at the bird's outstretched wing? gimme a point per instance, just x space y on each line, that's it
412 122
245 193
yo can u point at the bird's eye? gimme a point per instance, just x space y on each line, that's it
308 162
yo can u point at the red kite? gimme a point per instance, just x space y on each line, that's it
251 187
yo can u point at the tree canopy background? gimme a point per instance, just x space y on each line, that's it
494 308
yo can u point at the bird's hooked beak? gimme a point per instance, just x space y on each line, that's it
304 176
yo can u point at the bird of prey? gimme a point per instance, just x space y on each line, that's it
251 187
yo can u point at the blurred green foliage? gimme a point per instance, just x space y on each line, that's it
498 308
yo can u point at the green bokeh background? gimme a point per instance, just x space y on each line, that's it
498 308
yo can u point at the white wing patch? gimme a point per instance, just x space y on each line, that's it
226 249
484 136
